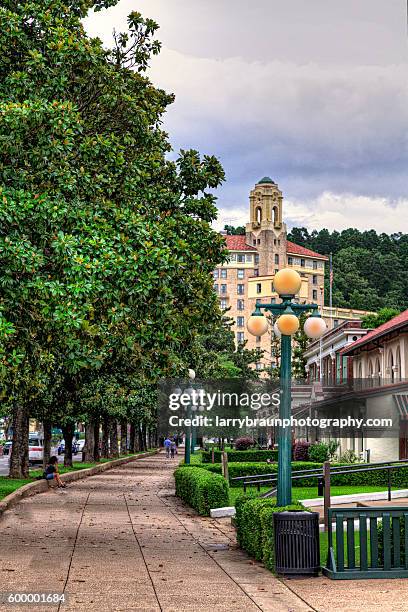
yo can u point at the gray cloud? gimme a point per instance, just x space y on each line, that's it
313 93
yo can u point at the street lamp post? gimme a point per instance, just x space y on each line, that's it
287 284
187 445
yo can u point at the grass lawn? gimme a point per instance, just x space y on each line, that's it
300 493
8 485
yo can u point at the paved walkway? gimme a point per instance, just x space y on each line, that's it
122 541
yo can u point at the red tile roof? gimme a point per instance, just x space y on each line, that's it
237 243
296 249
395 323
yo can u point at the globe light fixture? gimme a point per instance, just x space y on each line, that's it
257 324
288 324
314 327
287 282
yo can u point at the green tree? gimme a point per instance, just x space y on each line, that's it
106 247
383 315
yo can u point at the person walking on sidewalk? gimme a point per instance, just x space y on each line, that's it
167 444
173 448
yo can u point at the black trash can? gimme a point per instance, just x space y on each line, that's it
297 547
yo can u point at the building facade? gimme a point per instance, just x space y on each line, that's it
255 258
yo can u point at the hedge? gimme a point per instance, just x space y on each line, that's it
241 456
399 477
200 489
254 522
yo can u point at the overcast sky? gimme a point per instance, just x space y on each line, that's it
313 93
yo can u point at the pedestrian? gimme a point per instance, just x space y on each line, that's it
173 449
167 444
51 472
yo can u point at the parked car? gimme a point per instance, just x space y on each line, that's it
80 445
35 449
61 447
7 448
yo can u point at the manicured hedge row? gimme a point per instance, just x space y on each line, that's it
241 456
254 522
201 489
399 477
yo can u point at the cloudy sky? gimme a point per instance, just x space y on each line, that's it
313 93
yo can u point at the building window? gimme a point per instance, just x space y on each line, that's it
240 321
290 261
315 294
277 259
240 337
314 265
274 241
259 241
240 289
302 263
256 259
249 258
314 279
256 272
241 258
223 304
241 274
240 305
254 242
223 289
223 273
216 288
336 323
258 287
259 366
215 274
278 242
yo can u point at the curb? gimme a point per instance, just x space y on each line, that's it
40 486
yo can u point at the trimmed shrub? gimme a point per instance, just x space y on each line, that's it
319 452
241 456
399 477
301 451
201 489
254 522
243 443
381 543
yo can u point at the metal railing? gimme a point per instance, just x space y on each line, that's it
379 551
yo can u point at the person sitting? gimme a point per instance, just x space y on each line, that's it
51 472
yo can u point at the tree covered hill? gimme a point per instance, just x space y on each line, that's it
370 270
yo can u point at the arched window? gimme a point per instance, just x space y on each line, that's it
275 215
370 372
258 214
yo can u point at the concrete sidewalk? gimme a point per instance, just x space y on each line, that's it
122 541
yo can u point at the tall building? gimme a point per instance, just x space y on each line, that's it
254 260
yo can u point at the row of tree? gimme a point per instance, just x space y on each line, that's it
106 246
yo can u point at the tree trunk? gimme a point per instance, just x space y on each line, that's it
19 452
47 442
140 438
113 438
68 433
132 438
88 454
123 437
97 455
105 438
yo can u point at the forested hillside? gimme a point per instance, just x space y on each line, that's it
370 270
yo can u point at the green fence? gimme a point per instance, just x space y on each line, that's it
368 543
